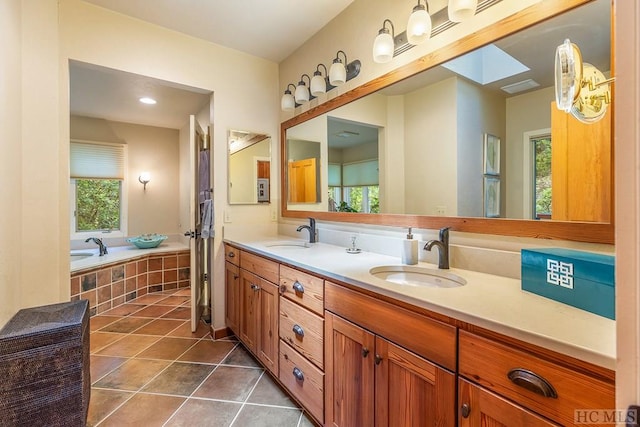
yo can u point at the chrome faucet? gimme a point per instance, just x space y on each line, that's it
312 230
443 248
102 248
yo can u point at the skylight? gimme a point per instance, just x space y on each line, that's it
486 65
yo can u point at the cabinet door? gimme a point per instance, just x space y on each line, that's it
349 371
232 297
481 408
268 314
250 295
411 391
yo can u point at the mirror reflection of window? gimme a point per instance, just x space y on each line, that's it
249 167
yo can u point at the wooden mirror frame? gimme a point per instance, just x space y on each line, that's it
563 230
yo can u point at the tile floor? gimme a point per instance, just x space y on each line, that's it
148 369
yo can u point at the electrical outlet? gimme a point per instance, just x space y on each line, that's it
441 210
227 216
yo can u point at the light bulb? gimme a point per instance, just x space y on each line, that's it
419 25
461 10
383 47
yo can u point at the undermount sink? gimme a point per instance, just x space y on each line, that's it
291 244
75 256
417 276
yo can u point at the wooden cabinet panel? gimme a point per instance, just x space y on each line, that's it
488 363
349 374
232 254
304 381
411 391
250 293
305 289
232 297
485 409
302 330
262 267
267 345
428 338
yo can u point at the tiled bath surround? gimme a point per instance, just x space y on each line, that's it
107 287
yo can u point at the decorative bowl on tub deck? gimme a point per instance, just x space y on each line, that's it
146 241
582 279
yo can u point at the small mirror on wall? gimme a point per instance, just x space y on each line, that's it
249 157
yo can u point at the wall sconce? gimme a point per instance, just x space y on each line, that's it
383 45
319 84
461 10
419 25
288 103
302 91
338 72
144 179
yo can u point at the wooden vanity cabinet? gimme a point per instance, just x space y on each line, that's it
232 288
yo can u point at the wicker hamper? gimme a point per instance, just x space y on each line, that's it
44 366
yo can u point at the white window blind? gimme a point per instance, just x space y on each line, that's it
335 175
360 174
91 160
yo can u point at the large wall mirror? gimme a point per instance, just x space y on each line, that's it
473 140
249 159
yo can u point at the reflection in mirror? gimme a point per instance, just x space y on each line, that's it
303 171
430 133
249 167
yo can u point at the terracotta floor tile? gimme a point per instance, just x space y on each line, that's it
204 413
167 348
159 327
267 392
126 325
103 402
183 292
241 357
153 311
123 310
179 379
132 375
267 416
208 351
128 346
229 383
183 313
173 300
185 330
146 410
149 299
97 322
98 340
102 365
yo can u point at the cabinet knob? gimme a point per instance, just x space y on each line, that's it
532 382
235 277
255 287
378 359
231 255
297 286
465 410
365 352
297 329
283 289
298 374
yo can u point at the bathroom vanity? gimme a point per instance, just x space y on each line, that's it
354 349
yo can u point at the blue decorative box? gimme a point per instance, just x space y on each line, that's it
582 279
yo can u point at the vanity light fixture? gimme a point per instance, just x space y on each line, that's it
383 45
419 25
461 10
288 103
144 179
302 91
338 72
319 84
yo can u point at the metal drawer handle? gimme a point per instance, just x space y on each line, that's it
255 287
465 410
297 286
231 255
297 329
365 352
298 374
532 382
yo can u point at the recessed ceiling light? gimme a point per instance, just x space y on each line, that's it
147 100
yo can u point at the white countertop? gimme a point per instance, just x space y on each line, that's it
492 302
120 253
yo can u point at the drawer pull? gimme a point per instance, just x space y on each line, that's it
465 410
532 382
283 289
297 329
297 286
378 359
298 374
365 352
231 255
255 287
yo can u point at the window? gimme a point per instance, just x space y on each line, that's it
97 190
542 176
353 187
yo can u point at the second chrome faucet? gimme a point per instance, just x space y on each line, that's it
312 229
443 247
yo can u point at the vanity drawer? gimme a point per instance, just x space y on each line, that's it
260 266
492 364
305 289
232 254
302 330
303 380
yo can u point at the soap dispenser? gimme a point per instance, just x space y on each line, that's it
410 250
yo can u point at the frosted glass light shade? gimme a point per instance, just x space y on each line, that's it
318 85
383 47
419 26
302 93
461 10
287 103
337 73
